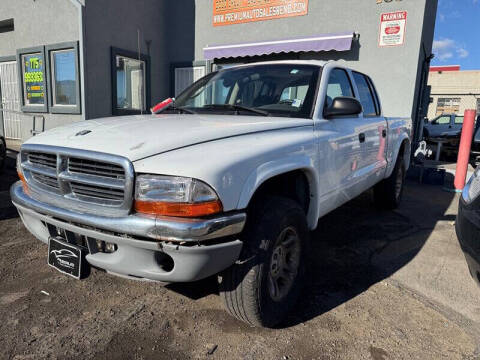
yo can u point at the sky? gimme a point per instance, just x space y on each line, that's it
457 34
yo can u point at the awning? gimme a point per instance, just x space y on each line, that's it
326 42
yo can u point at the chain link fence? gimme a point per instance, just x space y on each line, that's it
452 104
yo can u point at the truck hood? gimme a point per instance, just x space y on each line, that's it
139 136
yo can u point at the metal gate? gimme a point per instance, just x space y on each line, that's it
10 100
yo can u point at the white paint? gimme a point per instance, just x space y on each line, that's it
236 154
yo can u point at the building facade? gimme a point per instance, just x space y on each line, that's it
453 91
85 59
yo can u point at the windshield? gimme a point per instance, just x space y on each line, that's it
269 90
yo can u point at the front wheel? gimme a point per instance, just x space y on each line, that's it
388 193
264 284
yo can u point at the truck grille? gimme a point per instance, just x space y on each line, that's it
96 192
78 179
90 167
47 160
46 180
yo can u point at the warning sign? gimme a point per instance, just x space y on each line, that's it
392 28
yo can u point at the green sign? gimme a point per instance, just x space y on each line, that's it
33 78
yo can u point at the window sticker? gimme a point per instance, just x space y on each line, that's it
297 103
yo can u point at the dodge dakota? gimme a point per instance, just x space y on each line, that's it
229 180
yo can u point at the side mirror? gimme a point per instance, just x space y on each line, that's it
343 106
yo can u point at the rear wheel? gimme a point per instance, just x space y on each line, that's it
388 193
264 284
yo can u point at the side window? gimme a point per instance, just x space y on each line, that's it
366 97
459 119
338 85
442 120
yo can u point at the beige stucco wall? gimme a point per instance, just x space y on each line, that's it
464 85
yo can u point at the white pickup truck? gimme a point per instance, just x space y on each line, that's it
229 180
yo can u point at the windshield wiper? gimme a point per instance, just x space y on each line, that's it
236 108
183 110
180 109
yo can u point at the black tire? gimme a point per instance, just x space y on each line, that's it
388 193
3 153
246 287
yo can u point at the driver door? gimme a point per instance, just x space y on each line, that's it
339 147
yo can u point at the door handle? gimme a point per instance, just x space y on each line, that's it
384 133
361 137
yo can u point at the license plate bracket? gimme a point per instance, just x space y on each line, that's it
67 258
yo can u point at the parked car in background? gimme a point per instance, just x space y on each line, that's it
3 152
443 126
467 225
446 128
475 149
228 180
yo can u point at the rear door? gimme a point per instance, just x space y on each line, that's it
373 161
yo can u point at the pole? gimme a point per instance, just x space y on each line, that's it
464 149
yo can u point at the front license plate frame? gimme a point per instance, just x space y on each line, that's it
66 258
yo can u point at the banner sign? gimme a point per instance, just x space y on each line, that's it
228 12
392 28
33 78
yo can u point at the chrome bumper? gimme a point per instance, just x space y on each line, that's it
160 228
137 258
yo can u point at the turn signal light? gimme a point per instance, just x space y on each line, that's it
20 175
24 183
178 209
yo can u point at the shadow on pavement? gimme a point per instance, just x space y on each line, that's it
357 246
8 176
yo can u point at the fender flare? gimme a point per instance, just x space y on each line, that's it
406 158
277 167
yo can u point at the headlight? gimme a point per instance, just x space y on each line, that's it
473 190
175 196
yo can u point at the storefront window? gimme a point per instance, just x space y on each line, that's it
33 75
64 77
130 76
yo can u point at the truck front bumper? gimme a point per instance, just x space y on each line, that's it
160 249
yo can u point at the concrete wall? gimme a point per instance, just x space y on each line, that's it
464 85
37 23
114 23
395 70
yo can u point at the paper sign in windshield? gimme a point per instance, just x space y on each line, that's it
392 28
